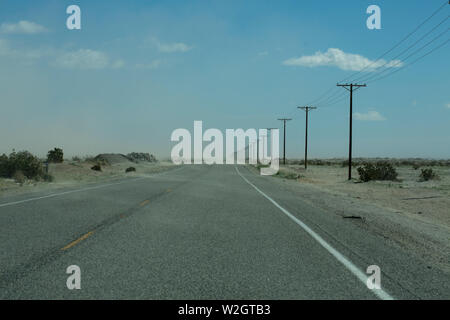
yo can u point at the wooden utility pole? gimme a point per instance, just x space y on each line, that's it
269 130
306 109
350 87
284 138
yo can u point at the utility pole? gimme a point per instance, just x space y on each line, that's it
284 138
269 130
306 109
350 87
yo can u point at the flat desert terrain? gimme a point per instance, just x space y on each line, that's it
425 200
72 173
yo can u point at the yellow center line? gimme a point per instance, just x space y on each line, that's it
143 203
70 245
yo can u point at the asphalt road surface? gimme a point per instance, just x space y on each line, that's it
196 232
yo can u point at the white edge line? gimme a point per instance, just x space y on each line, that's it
84 189
380 293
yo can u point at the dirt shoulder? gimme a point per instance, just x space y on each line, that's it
428 201
77 173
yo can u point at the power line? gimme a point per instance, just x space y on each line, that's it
409 56
411 63
332 101
397 64
398 43
327 95
392 64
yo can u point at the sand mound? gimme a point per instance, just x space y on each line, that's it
112 158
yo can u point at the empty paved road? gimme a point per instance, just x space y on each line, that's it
196 232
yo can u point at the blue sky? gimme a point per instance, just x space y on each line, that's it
137 70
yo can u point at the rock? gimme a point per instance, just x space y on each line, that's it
96 167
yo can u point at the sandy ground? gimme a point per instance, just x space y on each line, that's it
73 173
428 200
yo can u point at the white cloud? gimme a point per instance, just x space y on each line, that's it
118 64
369 116
83 59
152 65
171 47
77 59
25 54
22 27
340 59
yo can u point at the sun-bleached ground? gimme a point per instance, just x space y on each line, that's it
427 200
73 173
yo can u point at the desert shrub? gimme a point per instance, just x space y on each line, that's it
380 170
316 162
96 167
76 158
287 175
47 177
428 174
19 177
56 155
5 170
130 169
24 161
416 166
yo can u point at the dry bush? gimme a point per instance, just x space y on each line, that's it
381 170
19 177
428 174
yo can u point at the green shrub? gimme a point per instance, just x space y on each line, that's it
380 170
56 155
5 169
428 174
24 161
21 166
130 169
